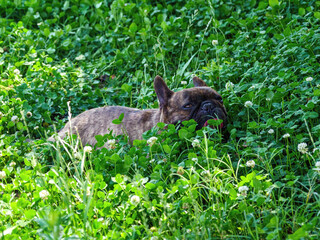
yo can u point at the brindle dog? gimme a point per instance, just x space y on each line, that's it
200 103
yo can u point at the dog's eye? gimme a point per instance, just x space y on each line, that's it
188 105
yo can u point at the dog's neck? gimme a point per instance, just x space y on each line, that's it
151 117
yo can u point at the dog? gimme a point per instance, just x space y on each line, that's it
200 103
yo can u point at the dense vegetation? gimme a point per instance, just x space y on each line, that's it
262 57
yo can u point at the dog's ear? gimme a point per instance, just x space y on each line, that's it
162 91
199 82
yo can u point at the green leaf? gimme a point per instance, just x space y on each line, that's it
119 120
129 221
273 3
150 186
99 27
316 92
302 11
256 184
133 27
66 42
30 213
164 26
270 95
10 124
102 185
50 50
19 125
317 15
161 125
232 192
278 36
65 5
215 122
297 235
253 124
126 87
101 194
25 176
159 56
262 5
166 148
311 115
118 178
115 158
183 133
46 32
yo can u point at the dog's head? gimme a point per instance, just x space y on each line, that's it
200 103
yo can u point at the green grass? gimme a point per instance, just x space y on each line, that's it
189 184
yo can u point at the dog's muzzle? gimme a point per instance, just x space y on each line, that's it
211 111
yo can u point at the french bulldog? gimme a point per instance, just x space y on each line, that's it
200 103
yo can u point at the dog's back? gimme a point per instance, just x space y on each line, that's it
98 121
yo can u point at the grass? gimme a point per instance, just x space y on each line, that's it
261 56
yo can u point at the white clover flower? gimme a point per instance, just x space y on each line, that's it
309 79
229 86
80 57
250 163
302 147
2 174
1 115
111 143
44 194
135 200
195 143
77 154
87 149
36 127
205 173
248 104
287 135
29 114
12 164
214 42
271 131
184 82
195 159
14 119
16 71
243 190
152 141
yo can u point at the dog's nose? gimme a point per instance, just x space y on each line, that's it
207 106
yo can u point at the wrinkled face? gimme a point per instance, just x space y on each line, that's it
198 103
